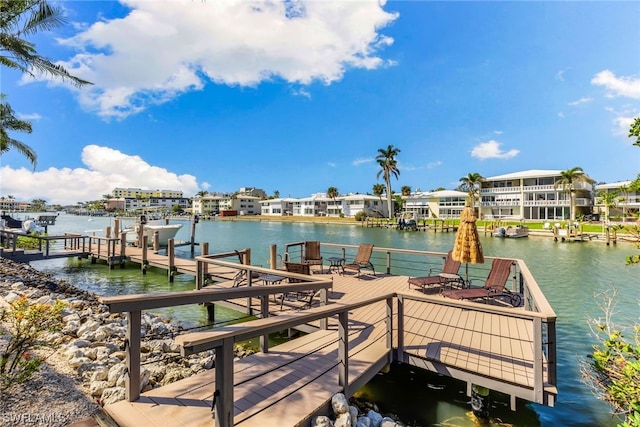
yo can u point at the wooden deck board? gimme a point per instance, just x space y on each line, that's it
293 379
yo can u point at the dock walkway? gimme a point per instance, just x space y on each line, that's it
492 345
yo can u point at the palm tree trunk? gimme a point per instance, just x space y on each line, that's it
389 203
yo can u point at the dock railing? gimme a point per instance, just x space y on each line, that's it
133 305
542 389
221 340
48 246
536 312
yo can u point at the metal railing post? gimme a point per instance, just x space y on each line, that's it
400 321
343 351
223 394
132 380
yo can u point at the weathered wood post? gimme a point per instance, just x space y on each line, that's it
194 221
273 255
172 259
204 251
156 241
145 255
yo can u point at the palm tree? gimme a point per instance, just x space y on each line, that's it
471 184
624 194
405 190
388 166
20 19
9 122
332 192
567 181
276 194
24 18
378 190
609 200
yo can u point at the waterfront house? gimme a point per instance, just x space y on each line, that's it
315 205
435 204
532 195
277 207
627 201
373 206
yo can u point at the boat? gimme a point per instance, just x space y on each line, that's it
165 231
25 226
512 231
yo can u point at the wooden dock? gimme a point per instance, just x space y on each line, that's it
357 326
369 322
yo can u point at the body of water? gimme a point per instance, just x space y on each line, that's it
570 274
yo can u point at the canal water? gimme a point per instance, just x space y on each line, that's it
570 274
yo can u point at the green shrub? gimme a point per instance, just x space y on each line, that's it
613 369
26 326
360 216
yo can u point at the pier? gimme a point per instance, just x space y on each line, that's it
355 328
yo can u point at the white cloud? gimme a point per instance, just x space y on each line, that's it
491 150
331 164
560 74
29 117
301 92
358 162
433 165
628 87
162 49
583 100
622 125
561 115
106 169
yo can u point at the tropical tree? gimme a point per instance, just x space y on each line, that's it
624 194
332 192
38 205
276 194
20 19
378 190
10 123
471 184
386 158
567 181
405 190
399 202
634 131
202 193
609 199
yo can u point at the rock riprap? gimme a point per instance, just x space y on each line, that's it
92 340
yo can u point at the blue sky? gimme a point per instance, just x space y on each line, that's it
299 96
